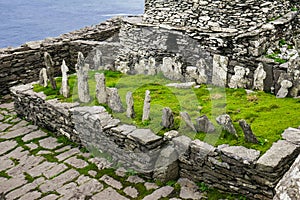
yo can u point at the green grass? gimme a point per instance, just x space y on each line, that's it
294 9
4 175
267 115
28 177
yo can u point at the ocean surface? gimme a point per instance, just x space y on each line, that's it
28 20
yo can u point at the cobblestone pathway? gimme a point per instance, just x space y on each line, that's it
36 165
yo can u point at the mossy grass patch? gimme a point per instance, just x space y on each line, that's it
267 115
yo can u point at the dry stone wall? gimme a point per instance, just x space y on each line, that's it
238 169
22 64
225 59
234 169
230 15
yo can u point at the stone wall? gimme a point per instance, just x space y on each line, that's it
234 169
214 15
49 114
22 64
238 169
288 187
222 58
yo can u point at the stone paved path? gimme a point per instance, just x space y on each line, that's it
36 165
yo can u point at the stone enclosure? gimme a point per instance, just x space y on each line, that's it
236 44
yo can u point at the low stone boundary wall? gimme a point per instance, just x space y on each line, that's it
238 169
21 65
233 169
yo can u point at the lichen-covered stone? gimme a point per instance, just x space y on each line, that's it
226 122
277 156
65 88
130 113
288 186
114 100
50 69
146 108
82 71
101 93
249 135
204 125
167 118
292 135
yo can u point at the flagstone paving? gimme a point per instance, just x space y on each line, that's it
35 165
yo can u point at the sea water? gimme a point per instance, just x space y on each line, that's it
28 20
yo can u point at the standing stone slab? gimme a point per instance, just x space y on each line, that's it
114 100
82 71
97 59
167 118
220 64
43 78
50 69
226 123
146 108
259 77
249 135
187 119
101 93
204 125
130 113
284 90
238 80
65 88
